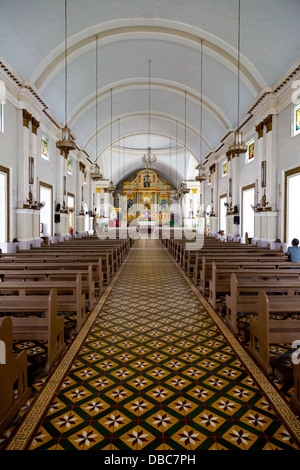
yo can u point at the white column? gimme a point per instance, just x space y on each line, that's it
26 149
34 149
260 157
268 122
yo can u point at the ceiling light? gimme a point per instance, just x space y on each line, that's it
66 143
201 168
149 159
238 146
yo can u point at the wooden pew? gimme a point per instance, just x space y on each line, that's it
69 294
56 263
23 274
266 331
111 253
49 327
122 246
13 375
295 399
219 284
244 295
102 261
204 270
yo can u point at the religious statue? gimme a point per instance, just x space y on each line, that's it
147 181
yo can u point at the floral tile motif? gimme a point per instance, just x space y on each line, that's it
256 420
188 438
40 438
86 438
209 420
137 438
114 421
241 438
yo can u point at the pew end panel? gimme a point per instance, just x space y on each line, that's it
265 331
13 376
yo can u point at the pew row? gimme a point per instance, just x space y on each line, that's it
13 376
70 297
41 275
244 295
265 331
219 283
48 327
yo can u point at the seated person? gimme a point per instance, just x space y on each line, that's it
221 236
293 252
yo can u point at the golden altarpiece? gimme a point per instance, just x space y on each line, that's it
147 198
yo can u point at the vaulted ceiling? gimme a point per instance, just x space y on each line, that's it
130 33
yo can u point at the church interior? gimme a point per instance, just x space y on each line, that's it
131 135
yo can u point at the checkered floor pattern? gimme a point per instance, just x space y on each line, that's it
155 373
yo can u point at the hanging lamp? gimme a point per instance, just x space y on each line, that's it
183 187
66 142
111 188
96 175
238 146
170 200
149 159
201 168
176 195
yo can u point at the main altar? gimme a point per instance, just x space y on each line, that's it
147 198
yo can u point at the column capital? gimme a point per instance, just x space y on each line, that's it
228 155
35 125
212 168
81 167
268 122
26 118
260 129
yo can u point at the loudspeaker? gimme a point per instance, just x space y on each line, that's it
56 218
57 209
236 219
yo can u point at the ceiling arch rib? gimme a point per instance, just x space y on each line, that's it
170 87
192 147
224 55
128 172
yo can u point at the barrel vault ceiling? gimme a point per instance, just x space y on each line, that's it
130 34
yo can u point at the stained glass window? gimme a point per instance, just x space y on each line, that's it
250 151
45 150
224 168
297 120
70 170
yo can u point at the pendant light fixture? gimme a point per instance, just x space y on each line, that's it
149 159
183 187
176 195
170 200
96 175
238 147
118 194
66 143
111 188
201 168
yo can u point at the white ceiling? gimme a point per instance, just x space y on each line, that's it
132 32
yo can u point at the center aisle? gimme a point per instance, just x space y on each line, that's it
156 373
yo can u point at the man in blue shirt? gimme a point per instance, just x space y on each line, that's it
294 251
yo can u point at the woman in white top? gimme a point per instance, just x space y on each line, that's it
221 236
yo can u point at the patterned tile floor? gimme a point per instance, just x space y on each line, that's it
155 372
